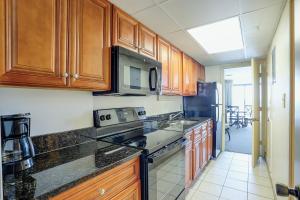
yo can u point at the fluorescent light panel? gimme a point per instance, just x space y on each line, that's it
220 36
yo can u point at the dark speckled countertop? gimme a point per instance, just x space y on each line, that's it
61 169
160 122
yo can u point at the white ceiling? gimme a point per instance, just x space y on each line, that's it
172 18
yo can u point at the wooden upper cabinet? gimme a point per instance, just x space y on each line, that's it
200 72
186 73
34 35
147 42
189 73
125 30
176 71
90 44
163 56
193 78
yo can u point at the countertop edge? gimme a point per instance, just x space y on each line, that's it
65 187
199 122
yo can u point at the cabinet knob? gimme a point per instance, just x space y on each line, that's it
101 191
76 76
66 75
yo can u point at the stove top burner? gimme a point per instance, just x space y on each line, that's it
148 141
125 127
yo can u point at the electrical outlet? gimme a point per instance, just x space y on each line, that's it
284 100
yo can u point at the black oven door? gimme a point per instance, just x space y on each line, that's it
166 172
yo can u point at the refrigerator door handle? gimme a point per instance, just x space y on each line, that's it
218 114
218 97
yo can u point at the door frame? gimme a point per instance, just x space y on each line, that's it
240 65
292 96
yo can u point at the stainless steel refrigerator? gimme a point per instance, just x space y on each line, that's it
207 103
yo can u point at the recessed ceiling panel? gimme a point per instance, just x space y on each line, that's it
262 19
192 13
251 5
157 20
133 6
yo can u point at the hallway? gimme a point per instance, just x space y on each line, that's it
231 177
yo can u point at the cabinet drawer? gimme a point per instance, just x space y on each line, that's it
106 185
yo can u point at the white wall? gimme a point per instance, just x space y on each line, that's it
278 127
51 110
216 72
62 110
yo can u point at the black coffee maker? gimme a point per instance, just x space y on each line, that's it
17 147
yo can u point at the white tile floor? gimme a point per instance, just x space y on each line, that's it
231 177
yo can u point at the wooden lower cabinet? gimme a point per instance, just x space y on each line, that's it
197 157
189 159
133 192
199 142
204 151
121 182
209 139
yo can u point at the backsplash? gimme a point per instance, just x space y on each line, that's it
55 111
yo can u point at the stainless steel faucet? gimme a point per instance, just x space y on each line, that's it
173 116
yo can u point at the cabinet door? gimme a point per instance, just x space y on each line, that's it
89 44
125 30
197 158
133 192
163 56
186 75
176 71
201 72
147 42
193 78
209 142
189 160
209 145
33 39
204 151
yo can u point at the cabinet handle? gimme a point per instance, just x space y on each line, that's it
76 76
66 75
102 191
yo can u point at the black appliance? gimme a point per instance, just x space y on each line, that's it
207 103
163 158
133 74
17 148
285 191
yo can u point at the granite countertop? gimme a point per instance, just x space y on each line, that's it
61 169
162 125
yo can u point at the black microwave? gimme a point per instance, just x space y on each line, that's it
133 74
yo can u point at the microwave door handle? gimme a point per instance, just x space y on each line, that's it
150 79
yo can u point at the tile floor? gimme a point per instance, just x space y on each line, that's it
231 177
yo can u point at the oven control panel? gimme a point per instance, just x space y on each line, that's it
107 117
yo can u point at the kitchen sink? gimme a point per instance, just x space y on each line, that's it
182 122
178 125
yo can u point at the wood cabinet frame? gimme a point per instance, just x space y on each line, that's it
80 75
198 149
17 67
120 17
145 35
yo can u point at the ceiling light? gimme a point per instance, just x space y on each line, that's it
220 36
